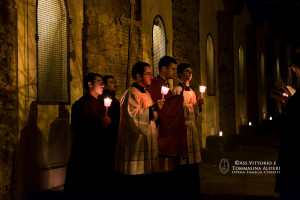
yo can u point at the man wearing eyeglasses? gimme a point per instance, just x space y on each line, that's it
137 151
109 91
86 167
287 182
172 130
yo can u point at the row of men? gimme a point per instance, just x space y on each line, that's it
143 139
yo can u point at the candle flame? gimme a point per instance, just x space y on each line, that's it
107 102
202 88
164 90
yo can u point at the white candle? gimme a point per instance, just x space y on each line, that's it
164 91
107 102
221 133
250 123
202 88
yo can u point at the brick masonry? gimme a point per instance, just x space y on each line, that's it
186 37
106 37
8 94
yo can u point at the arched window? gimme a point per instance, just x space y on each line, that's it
159 42
210 66
52 52
241 70
262 71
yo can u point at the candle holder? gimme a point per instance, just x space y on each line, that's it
202 89
107 103
164 91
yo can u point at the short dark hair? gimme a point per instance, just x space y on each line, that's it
181 67
166 61
90 77
138 68
295 60
106 77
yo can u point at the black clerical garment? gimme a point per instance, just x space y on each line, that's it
287 182
88 166
112 129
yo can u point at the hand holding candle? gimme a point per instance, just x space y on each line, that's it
200 99
107 103
164 91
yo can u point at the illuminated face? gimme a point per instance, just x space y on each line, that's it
186 75
97 86
171 71
147 76
296 69
111 85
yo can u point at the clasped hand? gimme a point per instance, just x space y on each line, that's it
160 103
200 100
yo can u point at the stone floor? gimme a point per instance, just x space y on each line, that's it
216 185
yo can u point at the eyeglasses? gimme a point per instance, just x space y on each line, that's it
99 82
148 74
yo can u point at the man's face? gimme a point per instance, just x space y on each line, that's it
96 86
147 76
111 85
296 69
171 71
186 74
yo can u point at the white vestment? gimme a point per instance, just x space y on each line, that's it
137 148
192 116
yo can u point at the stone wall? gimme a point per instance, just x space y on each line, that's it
8 94
226 70
186 37
106 39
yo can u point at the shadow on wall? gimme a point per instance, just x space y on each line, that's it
29 157
60 138
33 171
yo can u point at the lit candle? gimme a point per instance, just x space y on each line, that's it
107 103
202 88
285 95
270 118
221 133
164 91
250 123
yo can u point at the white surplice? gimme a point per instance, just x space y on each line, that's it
137 148
192 117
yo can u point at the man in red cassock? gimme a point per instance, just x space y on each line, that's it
172 139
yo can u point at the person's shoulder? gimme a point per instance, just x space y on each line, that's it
157 80
81 101
192 91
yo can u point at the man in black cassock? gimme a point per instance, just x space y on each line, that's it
87 167
113 113
288 181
